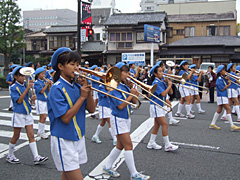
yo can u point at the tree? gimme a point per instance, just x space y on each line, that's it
11 33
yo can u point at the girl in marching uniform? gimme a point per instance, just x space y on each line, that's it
194 90
233 91
22 117
184 91
52 72
104 115
121 123
222 85
158 113
42 87
172 121
67 101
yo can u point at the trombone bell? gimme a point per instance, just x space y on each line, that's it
27 71
112 79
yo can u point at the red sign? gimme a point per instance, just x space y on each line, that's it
86 16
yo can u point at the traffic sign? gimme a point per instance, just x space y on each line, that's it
151 33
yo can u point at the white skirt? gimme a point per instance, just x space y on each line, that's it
41 107
232 93
222 100
21 120
184 91
194 90
104 112
120 125
156 111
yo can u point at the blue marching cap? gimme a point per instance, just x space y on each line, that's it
56 54
49 65
39 70
229 66
219 68
183 62
120 64
238 68
192 66
131 62
93 67
44 66
102 71
153 68
28 64
51 71
16 69
13 66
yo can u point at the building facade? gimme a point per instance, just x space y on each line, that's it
39 19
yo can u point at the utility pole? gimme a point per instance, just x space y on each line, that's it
79 26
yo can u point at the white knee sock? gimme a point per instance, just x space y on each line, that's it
199 106
187 109
215 117
229 118
41 128
224 113
180 106
98 130
110 131
233 109
237 111
33 147
129 159
152 138
191 105
11 149
166 140
112 157
170 113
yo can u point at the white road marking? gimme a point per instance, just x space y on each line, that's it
226 122
136 138
23 136
3 147
196 145
1 97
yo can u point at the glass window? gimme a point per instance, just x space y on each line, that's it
117 36
180 31
189 31
129 36
124 37
170 32
112 37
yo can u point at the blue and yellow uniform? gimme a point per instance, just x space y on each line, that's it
9 78
38 86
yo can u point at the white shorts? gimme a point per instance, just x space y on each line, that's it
232 93
21 120
41 107
193 91
120 125
222 100
68 155
95 95
167 97
184 91
104 112
238 90
156 111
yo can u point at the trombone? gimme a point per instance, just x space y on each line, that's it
27 71
111 81
236 78
151 90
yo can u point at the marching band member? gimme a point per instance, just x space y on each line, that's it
134 73
67 102
95 85
185 92
52 72
121 123
194 90
22 117
222 85
42 87
9 81
47 73
158 113
172 121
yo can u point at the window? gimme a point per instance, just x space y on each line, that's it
180 31
140 37
189 31
169 32
170 1
218 30
123 39
51 42
97 36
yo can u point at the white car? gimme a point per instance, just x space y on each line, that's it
204 66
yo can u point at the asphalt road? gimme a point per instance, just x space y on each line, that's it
203 153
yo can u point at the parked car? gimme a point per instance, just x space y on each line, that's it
204 66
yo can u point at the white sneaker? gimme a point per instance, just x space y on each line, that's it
190 116
12 159
96 139
140 176
111 172
42 135
173 121
201 111
154 146
224 118
171 147
40 159
114 143
179 115
192 112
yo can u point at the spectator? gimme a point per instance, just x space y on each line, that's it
211 83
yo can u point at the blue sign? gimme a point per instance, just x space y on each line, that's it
151 33
139 58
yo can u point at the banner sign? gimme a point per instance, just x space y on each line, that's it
86 16
151 33
139 58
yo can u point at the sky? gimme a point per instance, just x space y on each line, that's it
126 6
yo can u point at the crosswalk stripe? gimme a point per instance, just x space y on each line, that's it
3 147
23 136
11 114
9 123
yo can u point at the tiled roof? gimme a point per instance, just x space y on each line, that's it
94 46
208 41
201 17
61 28
100 16
135 18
